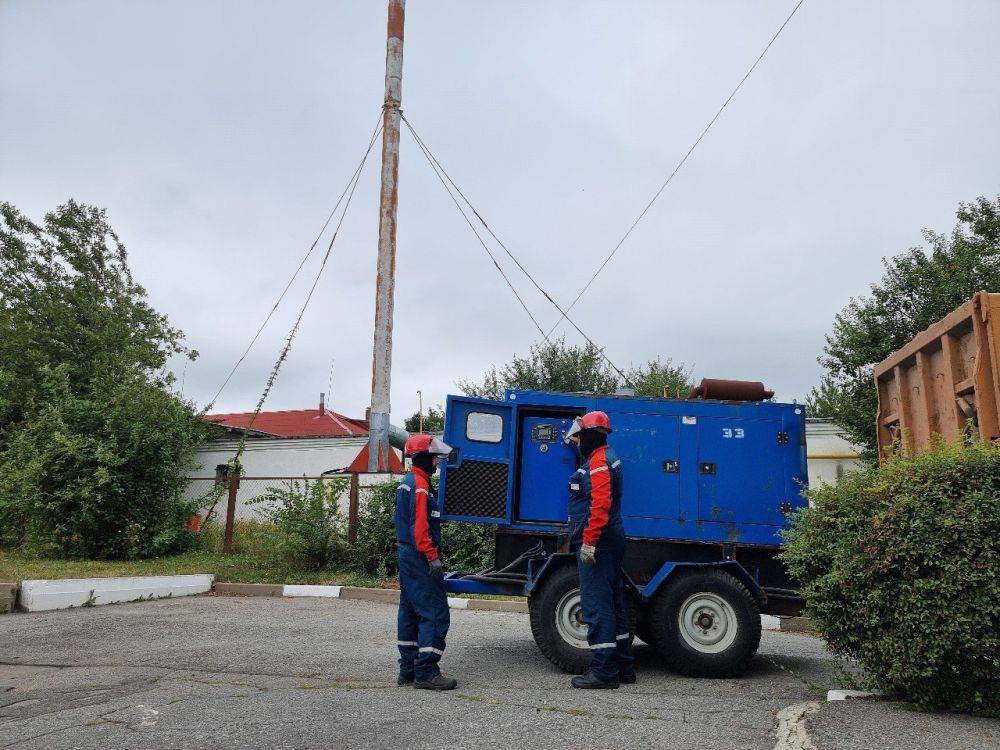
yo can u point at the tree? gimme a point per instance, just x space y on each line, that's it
917 288
433 421
93 442
554 366
660 378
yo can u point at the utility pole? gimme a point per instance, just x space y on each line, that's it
378 425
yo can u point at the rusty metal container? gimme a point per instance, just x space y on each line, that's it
944 382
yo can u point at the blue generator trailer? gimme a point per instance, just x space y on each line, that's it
708 487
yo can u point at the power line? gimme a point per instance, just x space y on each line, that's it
439 170
295 327
430 160
680 164
322 231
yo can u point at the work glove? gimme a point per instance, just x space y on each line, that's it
588 554
437 567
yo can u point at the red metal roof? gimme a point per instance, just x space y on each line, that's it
299 423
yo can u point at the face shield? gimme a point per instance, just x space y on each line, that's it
438 447
573 433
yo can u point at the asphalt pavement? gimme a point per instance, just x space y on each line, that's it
227 672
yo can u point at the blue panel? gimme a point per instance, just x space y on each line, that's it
741 470
649 449
545 467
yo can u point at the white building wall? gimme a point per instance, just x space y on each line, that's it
829 454
278 457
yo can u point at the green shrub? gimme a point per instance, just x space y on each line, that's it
375 551
309 527
900 569
465 546
98 474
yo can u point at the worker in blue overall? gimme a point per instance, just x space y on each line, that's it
597 536
423 619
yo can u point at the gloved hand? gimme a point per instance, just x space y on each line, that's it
437 567
588 554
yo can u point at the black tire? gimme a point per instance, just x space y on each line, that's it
543 609
726 602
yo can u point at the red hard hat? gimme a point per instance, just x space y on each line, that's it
421 443
592 420
596 420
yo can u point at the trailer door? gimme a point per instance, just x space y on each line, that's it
741 470
475 480
547 463
649 448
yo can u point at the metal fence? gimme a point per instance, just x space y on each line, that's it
232 498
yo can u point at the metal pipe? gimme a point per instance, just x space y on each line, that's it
378 434
397 437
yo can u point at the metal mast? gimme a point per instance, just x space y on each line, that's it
385 280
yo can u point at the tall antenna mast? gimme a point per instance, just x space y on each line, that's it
385 280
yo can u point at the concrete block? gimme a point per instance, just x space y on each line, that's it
387 596
249 589
499 605
8 597
43 595
457 602
795 625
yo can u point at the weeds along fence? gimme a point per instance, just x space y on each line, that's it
341 520
233 501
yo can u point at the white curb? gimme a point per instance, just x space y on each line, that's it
42 595
458 603
770 622
332 592
847 695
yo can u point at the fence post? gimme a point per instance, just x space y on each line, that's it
234 485
352 511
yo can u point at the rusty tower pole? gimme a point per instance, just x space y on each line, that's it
385 279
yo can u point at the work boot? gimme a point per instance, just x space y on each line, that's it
589 682
437 682
627 677
404 679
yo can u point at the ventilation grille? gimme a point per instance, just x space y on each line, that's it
476 488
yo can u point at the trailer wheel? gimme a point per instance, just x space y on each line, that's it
556 622
706 624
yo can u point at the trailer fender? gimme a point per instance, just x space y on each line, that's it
553 562
538 573
669 569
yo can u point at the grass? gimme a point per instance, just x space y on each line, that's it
235 568
249 563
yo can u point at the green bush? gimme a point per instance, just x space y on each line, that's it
900 569
309 527
98 474
464 546
94 440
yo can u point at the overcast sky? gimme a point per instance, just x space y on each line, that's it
218 135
